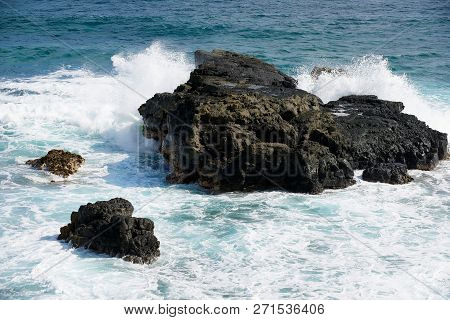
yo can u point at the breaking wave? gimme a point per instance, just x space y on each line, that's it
371 75
103 104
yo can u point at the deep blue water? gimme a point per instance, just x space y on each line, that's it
66 69
41 36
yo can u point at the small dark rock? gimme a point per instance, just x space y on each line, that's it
317 71
59 162
108 227
393 173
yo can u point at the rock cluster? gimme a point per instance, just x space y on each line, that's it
393 173
240 124
58 162
108 227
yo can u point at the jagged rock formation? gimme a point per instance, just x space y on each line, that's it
378 132
108 227
59 162
393 173
240 124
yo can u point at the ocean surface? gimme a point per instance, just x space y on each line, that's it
72 75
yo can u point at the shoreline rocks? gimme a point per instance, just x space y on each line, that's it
240 124
108 227
59 162
392 173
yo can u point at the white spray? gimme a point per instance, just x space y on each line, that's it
372 75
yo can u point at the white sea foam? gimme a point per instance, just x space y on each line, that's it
105 104
391 242
372 75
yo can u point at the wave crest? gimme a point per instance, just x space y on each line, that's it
371 75
104 104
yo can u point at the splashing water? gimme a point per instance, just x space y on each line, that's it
371 75
257 245
95 104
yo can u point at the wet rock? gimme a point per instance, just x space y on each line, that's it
240 124
108 227
58 162
393 173
317 71
377 131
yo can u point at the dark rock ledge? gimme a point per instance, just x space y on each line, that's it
59 162
240 124
108 227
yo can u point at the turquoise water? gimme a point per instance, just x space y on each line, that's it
72 75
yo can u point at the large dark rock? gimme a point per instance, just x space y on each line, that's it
378 132
58 162
240 124
393 173
108 227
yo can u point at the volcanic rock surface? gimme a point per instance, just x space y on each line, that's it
393 173
108 227
58 162
240 124
377 131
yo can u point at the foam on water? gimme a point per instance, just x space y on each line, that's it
372 75
258 245
104 104
367 241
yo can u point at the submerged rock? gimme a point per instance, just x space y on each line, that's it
108 227
393 173
240 124
58 162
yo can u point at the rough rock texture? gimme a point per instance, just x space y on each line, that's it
108 227
240 124
393 173
317 71
378 132
58 162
